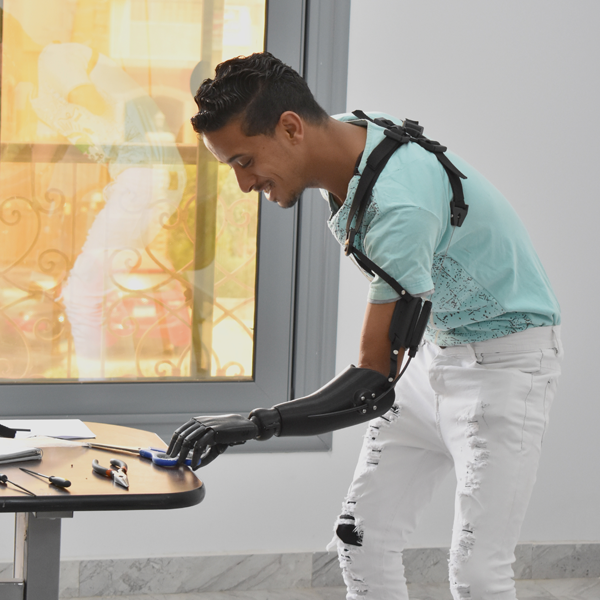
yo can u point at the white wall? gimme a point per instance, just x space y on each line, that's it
512 86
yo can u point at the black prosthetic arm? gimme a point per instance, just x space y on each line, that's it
354 396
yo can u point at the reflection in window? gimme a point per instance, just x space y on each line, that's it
126 251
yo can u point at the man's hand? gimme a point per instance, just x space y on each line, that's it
209 437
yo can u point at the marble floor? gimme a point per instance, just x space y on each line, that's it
541 589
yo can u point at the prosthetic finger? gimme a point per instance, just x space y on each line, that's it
180 435
197 440
174 438
209 456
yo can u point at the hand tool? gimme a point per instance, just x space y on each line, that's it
156 455
4 480
59 482
118 472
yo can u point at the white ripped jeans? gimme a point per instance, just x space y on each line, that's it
481 408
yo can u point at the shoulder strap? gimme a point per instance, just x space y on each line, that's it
410 131
376 162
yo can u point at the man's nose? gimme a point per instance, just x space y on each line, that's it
245 180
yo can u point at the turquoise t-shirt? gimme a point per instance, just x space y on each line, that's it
486 277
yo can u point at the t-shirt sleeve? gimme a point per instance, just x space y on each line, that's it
410 223
402 242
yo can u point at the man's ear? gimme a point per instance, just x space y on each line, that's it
292 126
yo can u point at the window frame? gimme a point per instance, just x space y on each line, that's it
297 281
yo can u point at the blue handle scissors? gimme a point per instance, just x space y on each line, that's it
156 455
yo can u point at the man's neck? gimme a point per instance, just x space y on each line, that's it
335 149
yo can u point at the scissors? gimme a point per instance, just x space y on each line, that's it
156 455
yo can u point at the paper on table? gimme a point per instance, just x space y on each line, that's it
67 429
14 451
41 441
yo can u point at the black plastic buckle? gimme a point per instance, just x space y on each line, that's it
457 214
431 146
384 122
398 134
349 243
413 128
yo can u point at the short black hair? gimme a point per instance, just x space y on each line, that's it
259 88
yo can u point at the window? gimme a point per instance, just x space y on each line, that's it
138 285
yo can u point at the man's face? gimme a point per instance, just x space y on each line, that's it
262 163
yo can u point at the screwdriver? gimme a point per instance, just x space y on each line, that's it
57 481
4 480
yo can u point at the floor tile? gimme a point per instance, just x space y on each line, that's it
331 593
528 589
429 591
573 589
535 589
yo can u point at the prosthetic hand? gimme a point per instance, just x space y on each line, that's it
354 396
209 437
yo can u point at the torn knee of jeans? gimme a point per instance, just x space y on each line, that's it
471 482
466 541
376 425
479 447
472 425
373 456
463 591
479 454
356 585
375 449
458 556
349 531
390 416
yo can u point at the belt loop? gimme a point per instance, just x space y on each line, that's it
474 353
556 340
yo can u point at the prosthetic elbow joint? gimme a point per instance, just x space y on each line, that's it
354 396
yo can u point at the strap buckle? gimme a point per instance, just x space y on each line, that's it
457 214
413 128
349 243
397 134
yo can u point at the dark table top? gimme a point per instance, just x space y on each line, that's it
150 487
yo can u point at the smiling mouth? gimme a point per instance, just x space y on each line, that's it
266 190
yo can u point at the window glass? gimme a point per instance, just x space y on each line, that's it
126 252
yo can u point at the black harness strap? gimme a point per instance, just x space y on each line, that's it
411 313
409 319
375 164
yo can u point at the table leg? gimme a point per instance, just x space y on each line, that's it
11 589
37 553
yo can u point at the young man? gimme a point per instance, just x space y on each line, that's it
477 395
